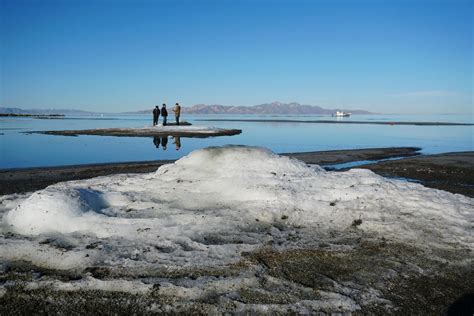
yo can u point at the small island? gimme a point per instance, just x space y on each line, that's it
183 130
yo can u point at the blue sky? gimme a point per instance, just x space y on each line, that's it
383 56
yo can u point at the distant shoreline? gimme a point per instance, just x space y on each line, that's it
338 122
56 116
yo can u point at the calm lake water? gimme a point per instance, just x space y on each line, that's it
19 150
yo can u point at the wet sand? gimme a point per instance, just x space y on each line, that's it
343 156
30 179
334 121
453 172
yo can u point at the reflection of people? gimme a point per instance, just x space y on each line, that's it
156 141
164 113
164 142
177 112
156 114
177 142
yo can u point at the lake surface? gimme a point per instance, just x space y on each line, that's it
19 150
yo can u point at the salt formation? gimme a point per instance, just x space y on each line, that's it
209 207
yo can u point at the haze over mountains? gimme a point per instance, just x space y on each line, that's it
5 110
267 108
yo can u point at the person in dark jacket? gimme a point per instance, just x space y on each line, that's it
156 114
164 113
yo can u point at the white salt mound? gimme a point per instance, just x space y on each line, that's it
208 207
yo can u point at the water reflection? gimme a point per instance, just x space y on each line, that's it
156 141
16 147
177 142
163 141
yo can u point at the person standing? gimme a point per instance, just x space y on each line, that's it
177 112
164 113
156 114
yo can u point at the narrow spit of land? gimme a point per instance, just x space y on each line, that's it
30 179
39 116
339 122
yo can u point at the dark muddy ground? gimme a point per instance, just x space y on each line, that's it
350 155
31 179
453 172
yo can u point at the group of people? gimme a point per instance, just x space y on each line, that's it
164 114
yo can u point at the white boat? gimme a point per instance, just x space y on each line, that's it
341 114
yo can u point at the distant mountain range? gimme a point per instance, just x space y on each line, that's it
267 108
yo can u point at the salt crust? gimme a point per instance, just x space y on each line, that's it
209 207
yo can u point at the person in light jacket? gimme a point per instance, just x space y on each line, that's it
177 112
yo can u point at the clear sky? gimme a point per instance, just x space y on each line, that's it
384 56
